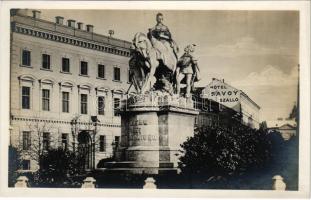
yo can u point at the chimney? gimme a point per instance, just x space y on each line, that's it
80 25
59 20
24 12
36 14
71 23
89 28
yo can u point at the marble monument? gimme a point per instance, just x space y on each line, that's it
156 118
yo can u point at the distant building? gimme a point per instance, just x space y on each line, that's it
231 98
286 127
212 114
62 73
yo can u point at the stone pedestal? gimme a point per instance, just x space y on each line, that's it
88 182
21 182
150 183
278 183
153 127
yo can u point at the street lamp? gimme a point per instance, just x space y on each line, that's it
73 124
11 132
95 120
114 147
111 32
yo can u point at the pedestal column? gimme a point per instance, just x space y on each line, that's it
143 139
152 131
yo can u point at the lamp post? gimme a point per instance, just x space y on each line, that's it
113 144
73 124
11 129
11 132
95 121
111 33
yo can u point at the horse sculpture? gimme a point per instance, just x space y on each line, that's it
150 58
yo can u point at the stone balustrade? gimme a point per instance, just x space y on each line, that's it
150 183
21 182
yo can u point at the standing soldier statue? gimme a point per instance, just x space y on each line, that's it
187 70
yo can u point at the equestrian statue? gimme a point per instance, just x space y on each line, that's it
155 54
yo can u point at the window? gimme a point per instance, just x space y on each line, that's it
250 122
116 141
101 105
196 120
129 76
102 143
65 141
65 65
26 58
45 99
26 97
101 71
83 68
25 164
45 61
116 74
83 104
46 141
26 140
116 104
65 102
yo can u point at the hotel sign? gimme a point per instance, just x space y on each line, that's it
222 93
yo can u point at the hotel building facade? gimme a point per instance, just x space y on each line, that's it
220 101
66 84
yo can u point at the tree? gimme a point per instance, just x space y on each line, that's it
58 168
40 139
263 126
224 152
294 113
41 151
75 129
14 165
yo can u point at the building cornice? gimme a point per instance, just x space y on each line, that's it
54 121
249 99
73 39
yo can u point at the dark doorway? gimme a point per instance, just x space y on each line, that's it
85 150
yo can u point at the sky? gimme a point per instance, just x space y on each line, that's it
255 51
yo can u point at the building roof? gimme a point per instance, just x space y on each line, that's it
241 91
62 29
287 127
281 123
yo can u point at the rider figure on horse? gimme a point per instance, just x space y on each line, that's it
162 34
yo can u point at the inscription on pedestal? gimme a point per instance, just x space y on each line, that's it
153 136
138 122
138 133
